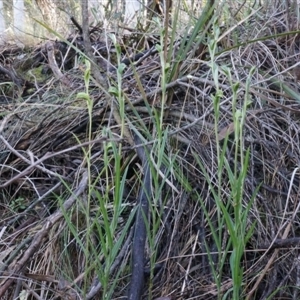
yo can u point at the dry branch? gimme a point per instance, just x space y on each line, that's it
40 235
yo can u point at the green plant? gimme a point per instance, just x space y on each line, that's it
232 212
18 204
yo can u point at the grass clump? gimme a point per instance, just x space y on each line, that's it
167 169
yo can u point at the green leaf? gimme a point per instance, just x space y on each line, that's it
113 90
83 95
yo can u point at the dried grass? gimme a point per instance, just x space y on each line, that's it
42 128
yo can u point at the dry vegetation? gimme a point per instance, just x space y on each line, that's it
53 153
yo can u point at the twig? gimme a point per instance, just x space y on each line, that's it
54 67
17 81
15 152
88 46
282 243
40 235
47 156
74 21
